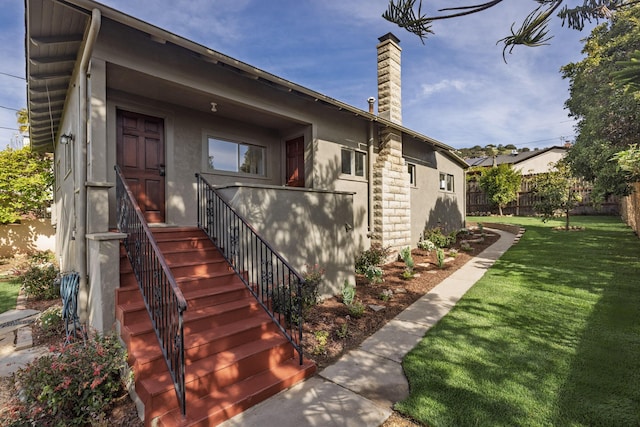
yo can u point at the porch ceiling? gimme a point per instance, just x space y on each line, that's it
138 84
51 52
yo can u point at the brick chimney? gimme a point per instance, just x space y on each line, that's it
389 82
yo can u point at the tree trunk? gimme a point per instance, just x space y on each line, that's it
566 226
500 209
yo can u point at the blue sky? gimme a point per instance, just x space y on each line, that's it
456 87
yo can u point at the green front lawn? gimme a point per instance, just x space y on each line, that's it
9 289
550 336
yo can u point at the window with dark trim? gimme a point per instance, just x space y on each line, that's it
411 170
354 162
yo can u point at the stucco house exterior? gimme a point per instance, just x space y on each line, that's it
317 179
340 176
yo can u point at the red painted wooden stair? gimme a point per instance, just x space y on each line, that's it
235 356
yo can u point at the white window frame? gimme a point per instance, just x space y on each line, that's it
350 168
446 182
262 169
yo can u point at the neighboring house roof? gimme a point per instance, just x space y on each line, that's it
512 159
54 44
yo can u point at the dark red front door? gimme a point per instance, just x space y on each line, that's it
295 162
140 155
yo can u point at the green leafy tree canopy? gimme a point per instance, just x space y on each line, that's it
608 115
26 180
556 193
501 184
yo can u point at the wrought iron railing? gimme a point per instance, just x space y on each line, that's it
273 282
162 296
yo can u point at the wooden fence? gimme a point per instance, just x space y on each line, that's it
630 208
477 203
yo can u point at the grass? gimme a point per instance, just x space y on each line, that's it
9 289
550 336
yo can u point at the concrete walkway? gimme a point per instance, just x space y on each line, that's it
361 388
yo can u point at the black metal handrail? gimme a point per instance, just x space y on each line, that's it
273 282
162 296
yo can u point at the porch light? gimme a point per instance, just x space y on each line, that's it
66 138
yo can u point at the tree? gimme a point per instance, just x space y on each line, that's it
532 32
629 75
629 161
23 120
556 193
501 184
608 115
26 181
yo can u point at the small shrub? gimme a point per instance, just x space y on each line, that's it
343 331
374 256
405 254
386 295
465 246
440 257
348 293
426 245
51 321
72 385
42 257
373 274
436 236
356 309
322 338
285 298
453 253
407 274
39 282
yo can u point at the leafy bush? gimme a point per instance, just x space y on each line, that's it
356 309
438 238
51 322
440 257
72 385
426 245
374 256
285 298
373 274
405 254
348 293
39 282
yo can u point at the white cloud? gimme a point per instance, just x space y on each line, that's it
445 85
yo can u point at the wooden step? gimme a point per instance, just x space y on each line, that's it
179 255
235 355
198 267
220 405
216 372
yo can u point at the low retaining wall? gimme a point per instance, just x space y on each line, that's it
28 237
